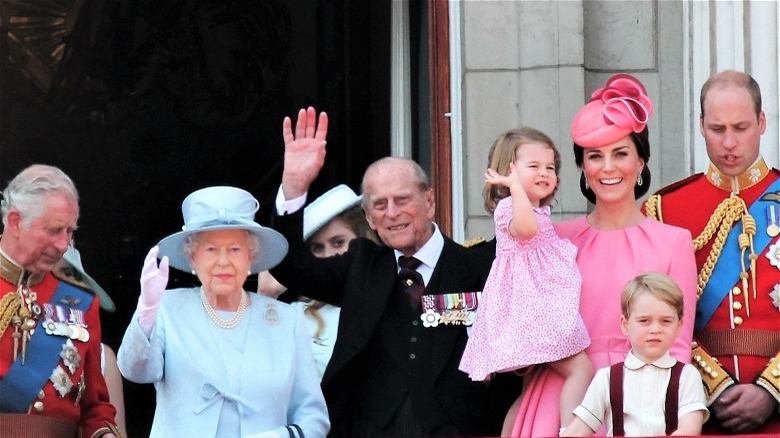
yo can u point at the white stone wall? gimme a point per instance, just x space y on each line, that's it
536 62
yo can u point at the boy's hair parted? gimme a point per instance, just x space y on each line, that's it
502 153
659 285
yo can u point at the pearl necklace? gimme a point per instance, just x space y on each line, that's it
221 323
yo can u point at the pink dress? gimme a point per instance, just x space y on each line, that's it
608 260
515 325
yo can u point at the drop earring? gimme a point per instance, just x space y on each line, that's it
639 179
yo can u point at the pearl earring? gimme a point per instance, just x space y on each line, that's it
639 179
193 272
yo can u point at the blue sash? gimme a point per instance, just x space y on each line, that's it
22 383
726 271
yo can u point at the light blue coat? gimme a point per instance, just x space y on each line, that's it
214 382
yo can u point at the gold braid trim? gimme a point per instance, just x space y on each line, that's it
728 212
770 377
653 208
714 377
9 305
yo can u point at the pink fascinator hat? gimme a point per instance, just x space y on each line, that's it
612 113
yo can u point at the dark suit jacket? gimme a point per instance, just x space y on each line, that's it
362 282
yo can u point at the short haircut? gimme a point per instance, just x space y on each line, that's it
27 192
419 176
738 79
659 285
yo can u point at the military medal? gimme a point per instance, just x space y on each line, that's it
60 321
70 356
771 215
271 315
455 308
61 381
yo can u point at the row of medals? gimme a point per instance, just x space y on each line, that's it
25 320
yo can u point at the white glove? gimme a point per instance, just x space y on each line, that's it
153 282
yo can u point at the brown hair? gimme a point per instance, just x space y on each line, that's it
355 220
502 153
729 78
659 285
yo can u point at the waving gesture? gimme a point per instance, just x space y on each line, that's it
304 151
154 278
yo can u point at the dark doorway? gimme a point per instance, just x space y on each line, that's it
144 101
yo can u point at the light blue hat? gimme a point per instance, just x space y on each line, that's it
223 208
73 258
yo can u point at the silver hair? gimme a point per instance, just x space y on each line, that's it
191 243
30 188
401 164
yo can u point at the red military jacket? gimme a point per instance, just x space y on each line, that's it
745 346
76 392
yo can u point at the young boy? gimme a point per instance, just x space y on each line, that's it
652 306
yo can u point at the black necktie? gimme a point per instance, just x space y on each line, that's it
411 280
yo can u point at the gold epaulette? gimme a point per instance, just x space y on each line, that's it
715 378
769 379
653 208
474 242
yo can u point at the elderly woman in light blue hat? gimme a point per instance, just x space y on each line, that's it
225 363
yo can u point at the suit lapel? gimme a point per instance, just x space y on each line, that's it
449 276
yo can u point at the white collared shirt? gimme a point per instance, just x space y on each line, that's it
428 254
644 397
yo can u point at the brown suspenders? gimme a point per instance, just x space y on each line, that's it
616 398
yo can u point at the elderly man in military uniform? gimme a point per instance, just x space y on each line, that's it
51 382
733 209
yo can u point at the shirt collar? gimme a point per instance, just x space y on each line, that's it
634 363
750 177
429 253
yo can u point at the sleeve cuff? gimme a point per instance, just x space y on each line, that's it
770 378
284 206
591 420
715 378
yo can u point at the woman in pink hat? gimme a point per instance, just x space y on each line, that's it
615 241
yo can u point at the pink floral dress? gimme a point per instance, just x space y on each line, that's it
529 310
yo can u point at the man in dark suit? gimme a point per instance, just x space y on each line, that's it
391 373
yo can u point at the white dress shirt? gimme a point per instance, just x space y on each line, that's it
644 397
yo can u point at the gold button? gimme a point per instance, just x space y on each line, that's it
776 373
737 320
737 305
697 358
38 406
714 374
707 369
736 290
409 282
703 364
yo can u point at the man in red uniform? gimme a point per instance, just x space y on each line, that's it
51 382
733 210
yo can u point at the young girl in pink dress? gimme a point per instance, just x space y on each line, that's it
529 310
